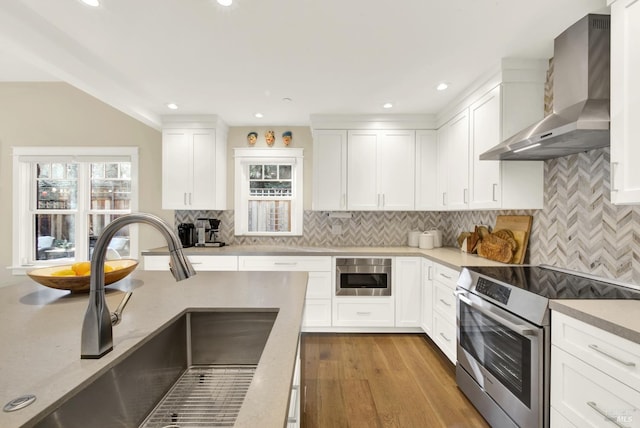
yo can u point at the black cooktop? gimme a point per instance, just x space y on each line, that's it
552 284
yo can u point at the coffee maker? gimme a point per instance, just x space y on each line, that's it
207 232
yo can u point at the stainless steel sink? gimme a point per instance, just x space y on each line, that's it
194 372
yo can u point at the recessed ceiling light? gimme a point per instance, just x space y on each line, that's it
225 2
387 105
442 86
94 3
259 115
172 106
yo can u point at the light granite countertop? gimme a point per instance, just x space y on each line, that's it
41 329
448 256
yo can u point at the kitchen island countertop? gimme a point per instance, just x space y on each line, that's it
41 330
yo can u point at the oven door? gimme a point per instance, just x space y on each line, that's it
504 355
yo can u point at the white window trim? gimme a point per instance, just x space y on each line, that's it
22 179
243 157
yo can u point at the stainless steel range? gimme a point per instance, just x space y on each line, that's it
504 336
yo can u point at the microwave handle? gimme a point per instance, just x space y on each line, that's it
520 329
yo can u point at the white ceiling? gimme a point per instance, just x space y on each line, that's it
328 56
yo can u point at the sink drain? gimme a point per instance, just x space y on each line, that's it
19 403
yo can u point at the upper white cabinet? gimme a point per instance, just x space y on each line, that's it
380 170
194 165
426 170
330 170
625 101
453 161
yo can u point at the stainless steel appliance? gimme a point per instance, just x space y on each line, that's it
363 277
503 340
581 81
187 234
207 233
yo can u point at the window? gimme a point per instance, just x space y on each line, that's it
64 197
268 192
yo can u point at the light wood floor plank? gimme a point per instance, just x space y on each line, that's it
380 380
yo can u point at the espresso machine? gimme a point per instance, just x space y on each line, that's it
207 232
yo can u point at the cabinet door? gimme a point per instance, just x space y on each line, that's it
177 162
458 162
442 154
427 297
396 170
330 170
485 133
408 285
625 104
204 169
362 160
426 170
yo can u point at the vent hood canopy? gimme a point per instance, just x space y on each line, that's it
581 117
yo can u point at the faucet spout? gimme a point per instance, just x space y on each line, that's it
97 331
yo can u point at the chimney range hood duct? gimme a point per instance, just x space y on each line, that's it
580 120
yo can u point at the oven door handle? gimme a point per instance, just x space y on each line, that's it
518 328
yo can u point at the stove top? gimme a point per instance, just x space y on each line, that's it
526 290
554 284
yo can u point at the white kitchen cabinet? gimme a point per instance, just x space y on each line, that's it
294 416
625 101
317 312
453 152
408 290
200 263
194 166
380 170
358 312
426 170
427 297
330 170
444 310
595 375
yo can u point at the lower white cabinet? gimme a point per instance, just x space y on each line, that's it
293 418
594 376
407 287
427 297
317 311
200 263
363 311
444 310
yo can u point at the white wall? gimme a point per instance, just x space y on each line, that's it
57 114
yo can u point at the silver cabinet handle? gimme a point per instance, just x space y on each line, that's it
444 198
363 313
465 195
383 200
611 419
446 276
343 202
184 197
285 263
614 169
520 329
445 337
430 273
495 188
613 357
444 302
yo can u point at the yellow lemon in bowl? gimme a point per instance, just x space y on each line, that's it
81 268
63 272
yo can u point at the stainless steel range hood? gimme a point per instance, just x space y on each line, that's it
580 118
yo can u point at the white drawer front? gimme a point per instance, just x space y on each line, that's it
611 354
444 335
200 263
444 300
317 313
586 396
285 263
559 421
446 275
377 312
319 285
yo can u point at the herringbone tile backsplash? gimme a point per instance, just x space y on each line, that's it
578 228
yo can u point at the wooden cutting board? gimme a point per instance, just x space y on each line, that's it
520 225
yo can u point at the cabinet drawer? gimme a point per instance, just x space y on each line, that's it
444 335
373 312
285 263
200 263
319 285
587 397
559 421
444 300
446 275
317 313
614 355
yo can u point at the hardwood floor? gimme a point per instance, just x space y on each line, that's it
380 380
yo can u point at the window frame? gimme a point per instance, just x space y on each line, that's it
275 156
24 183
